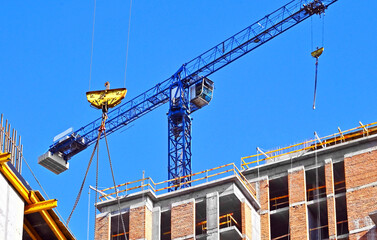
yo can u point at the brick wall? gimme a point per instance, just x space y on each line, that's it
246 220
298 222
183 220
102 227
361 176
331 212
264 201
140 223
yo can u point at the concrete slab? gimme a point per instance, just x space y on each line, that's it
230 233
373 216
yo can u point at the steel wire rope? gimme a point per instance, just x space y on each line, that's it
96 194
316 64
115 187
36 179
323 30
128 43
317 191
83 182
91 51
87 231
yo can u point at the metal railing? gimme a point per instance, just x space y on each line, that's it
9 143
195 179
226 220
310 145
283 201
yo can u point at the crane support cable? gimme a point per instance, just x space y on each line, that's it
316 54
128 43
115 186
315 83
83 182
91 51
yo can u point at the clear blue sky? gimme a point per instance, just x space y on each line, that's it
262 100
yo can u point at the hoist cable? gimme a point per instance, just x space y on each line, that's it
91 51
128 43
311 33
83 182
315 83
323 31
96 194
115 186
87 231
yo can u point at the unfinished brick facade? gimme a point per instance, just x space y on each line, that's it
264 201
102 227
140 223
325 193
298 217
331 212
361 185
246 220
183 220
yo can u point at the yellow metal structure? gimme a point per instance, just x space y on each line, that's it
317 53
31 231
39 206
111 97
30 197
4 157
199 177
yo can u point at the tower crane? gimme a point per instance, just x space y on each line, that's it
186 91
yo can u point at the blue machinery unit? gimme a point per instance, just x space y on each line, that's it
187 90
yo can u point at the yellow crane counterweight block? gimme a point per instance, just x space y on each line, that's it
110 96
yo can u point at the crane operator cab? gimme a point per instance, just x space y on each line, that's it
201 93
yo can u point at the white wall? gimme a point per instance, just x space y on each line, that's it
11 212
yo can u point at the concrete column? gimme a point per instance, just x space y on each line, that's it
331 211
298 213
213 213
183 220
264 201
141 221
156 223
246 220
103 223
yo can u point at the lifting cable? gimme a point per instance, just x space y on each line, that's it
91 51
128 43
96 192
316 54
115 186
83 182
96 147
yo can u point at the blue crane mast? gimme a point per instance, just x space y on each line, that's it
187 91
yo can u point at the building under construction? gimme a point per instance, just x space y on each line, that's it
24 212
324 188
320 189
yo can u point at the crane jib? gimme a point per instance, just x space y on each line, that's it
212 60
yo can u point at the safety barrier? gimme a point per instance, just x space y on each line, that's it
310 145
195 179
283 201
226 220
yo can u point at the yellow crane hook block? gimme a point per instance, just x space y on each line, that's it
318 52
111 97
